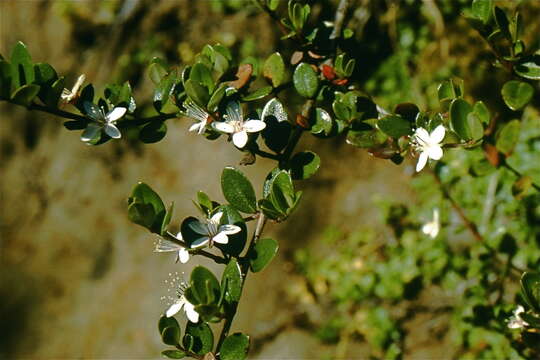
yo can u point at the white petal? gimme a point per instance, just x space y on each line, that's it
200 242
175 308
234 111
91 131
179 236
183 255
223 127
422 160
216 218
240 139
191 314
164 245
422 135
434 152
66 95
93 111
254 125
274 108
195 127
115 114
112 131
221 238
437 135
230 229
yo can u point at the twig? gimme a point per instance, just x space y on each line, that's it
518 174
339 19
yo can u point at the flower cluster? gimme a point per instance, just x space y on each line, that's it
177 301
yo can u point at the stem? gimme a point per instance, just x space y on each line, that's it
339 19
297 134
218 259
518 174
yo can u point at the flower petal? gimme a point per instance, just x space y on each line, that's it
223 127
191 314
437 135
422 135
198 227
434 152
179 236
164 245
115 114
91 131
183 255
230 229
216 218
254 125
221 238
195 127
422 160
112 131
234 111
240 138
93 111
200 242
175 308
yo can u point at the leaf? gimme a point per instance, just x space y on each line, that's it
475 126
482 9
262 253
204 285
237 241
202 75
243 75
521 186
529 68
25 94
502 22
22 69
167 219
234 347
530 289
238 190
323 123
305 80
274 69
44 74
231 282
508 137
217 96
407 111
364 136
304 164
196 92
459 110
164 90
203 338
282 195
5 79
165 322
153 132
482 112
170 335
274 108
52 95
516 94
173 354
146 208
394 126
258 94
157 70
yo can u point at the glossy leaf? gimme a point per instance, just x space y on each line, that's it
306 81
22 69
171 335
216 98
238 190
323 123
262 254
146 208
153 132
196 92
274 69
5 79
258 94
231 282
237 241
508 137
25 94
202 75
234 347
482 112
394 126
529 68
202 337
482 9
516 94
459 110
204 285
173 354
304 165
165 322
530 289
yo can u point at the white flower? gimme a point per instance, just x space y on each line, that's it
236 126
164 245
195 112
102 120
516 322
67 95
429 145
212 231
179 286
432 228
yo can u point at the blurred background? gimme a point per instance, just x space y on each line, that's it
78 280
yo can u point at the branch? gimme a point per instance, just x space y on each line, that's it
339 19
518 174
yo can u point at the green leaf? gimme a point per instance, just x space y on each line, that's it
5 79
52 94
508 137
153 132
521 187
45 74
164 90
273 4
482 112
274 69
262 253
203 338
394 126
237 241
198 93
305 80
258 94
304 164
238 190
482 9
22 69
165 322
167 219
364 136
234 347
25 94
146 208
204 285
170 335
231 282
530 289
516 94
202 75
282 195
216 98
204 202
173 354
502 22
459 111
529 68
323 123
157 70
475 126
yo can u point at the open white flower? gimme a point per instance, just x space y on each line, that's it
235 125
429 145
432 228
102 120
516 322
178 300
212 231
164 245
195 112
69 96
